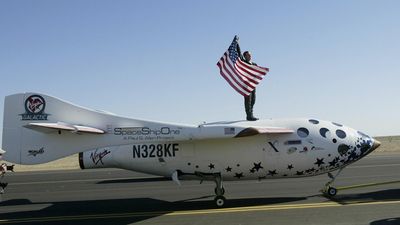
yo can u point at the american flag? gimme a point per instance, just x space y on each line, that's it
242 76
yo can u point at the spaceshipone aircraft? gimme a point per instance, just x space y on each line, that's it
39 128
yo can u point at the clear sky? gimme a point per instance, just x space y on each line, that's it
156 60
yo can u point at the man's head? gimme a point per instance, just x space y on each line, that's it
247 56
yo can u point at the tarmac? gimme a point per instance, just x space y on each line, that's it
369 193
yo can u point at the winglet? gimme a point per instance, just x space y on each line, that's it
268 130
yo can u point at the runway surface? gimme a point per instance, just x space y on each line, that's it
110 196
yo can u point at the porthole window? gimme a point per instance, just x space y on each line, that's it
313 121
334 140
341 134
362 134
323 131
337 124
302 132
342 149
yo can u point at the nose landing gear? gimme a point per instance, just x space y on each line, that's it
328 190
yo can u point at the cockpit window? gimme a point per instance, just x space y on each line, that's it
341 134
303 132
313 121
323 132
362 134
337 124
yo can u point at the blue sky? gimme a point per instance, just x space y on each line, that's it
156 60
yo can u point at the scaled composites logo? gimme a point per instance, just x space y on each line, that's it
97 156
36 152
34 108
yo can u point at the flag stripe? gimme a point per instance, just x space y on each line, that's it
244 93
246 72
253 69
243 80
226 65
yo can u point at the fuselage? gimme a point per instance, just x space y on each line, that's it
314 147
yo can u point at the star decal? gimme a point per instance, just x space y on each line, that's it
228 169
319 162
238 175
333 162
272 172
211 166
257 166
290 167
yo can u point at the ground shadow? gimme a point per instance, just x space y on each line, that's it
116 211
383 195
135 180
390 221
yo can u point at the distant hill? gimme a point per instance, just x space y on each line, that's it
388 144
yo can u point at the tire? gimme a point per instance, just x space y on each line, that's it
220 201
331 191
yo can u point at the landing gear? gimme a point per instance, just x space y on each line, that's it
219 191
328 190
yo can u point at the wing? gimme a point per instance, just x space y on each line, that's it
53 127
266 130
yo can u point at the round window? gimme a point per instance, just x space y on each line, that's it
323 131
337 124
302 132
341 134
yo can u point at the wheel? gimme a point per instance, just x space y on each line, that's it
222 191
331 191
219 201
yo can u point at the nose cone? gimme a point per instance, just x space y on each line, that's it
375 145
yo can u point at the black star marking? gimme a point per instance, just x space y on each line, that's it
238 175
333 162
290 167
228 169
211 166
319 162
257 166
272 172
353 155
299 173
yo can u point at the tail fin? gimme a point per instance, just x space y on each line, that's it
38 128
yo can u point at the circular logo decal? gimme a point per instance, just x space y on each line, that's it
35 104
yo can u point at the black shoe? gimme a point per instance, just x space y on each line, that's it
3 185
252 118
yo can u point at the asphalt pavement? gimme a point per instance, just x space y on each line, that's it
369 193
